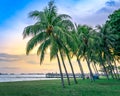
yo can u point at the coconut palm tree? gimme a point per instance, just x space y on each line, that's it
78 45
116 67
73 44
66 51
107 45
62 55
86 45
48 27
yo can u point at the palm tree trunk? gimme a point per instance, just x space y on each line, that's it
105 71
72 69
91 73
81 69
111 69
65 68
117 72
60 71
96 68
59 41
104 68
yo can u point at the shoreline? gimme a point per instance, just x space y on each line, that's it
44 79
17 78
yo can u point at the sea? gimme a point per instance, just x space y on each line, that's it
19 77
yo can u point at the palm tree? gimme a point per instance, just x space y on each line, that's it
61 54
85 48
49 26
74 44
61 51
68 56
117 71
95 68
106 44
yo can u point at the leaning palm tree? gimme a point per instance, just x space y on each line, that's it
48 27
106 47
85 48
66 51
62 58
73 43
116 58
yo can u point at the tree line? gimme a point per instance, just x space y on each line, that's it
65 39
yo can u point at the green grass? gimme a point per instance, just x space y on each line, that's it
100 87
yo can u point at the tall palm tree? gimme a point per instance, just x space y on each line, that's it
61 54
86 45
116 68
49 26
78 45
106 45
74 44
64 47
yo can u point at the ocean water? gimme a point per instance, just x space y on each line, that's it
13 78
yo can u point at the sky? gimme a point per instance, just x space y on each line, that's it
14 18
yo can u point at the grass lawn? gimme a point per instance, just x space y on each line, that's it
100 87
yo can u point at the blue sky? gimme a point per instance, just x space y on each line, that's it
8 8
14 18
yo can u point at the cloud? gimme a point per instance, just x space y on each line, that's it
4 57
32 62
83 11
8 58
100 15
8 55
9 68
109 7
110 3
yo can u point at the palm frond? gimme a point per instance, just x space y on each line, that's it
34 41
59 18
42 49
53 48
67 24
38 15
32 30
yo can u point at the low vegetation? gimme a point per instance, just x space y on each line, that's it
101 87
